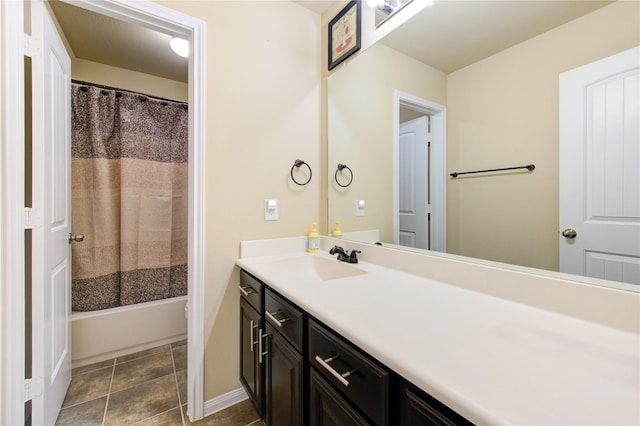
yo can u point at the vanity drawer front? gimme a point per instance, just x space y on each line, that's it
285 317
363 382
251 290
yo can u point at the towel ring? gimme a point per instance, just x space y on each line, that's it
340 168
299 163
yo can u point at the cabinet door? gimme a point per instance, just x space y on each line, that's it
327 407
250 366
283 382
419 409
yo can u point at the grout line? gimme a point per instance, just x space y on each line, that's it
175 376
82 402
139 357
114 364
155 379
152 417
106 405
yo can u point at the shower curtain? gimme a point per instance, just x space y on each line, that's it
129 198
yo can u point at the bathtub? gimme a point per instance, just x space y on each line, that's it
101 335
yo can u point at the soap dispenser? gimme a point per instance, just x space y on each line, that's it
313 240
337 232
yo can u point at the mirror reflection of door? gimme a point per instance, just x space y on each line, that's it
600 140
413 182
419 207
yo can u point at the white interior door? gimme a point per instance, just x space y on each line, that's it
413 183
600 169
51 282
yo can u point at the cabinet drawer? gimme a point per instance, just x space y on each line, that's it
251 290
355 376
285 317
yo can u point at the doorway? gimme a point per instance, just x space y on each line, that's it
167 21
419 177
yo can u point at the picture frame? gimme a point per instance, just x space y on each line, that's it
345 33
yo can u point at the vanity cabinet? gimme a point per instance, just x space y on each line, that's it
284 373
251 329
352 375
327 407
297 371
416 408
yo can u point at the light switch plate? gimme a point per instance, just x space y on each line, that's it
360 204
270 209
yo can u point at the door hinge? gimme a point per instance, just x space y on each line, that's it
27 390
32 388
29 218
28 45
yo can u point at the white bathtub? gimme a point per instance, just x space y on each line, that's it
101 335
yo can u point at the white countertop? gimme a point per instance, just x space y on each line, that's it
492 360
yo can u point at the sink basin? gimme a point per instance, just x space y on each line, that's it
322 268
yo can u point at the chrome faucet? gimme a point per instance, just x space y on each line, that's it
344 256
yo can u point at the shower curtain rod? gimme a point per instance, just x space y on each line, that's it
102 86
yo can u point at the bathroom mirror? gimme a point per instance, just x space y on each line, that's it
494 67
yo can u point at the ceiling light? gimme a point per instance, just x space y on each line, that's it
180 46
375 3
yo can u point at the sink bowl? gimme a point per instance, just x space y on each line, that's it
322 268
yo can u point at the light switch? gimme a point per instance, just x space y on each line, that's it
360 208
270 209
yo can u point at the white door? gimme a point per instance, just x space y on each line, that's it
600 169
51 268
413 183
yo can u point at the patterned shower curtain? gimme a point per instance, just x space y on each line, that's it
129 198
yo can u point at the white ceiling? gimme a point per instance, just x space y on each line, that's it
449 35
106 40
318 6
452 34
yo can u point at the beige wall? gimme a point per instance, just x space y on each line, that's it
263 112
121 78
503 111
360 110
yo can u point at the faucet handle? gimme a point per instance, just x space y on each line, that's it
336 249
353 257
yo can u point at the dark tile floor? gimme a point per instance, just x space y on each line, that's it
145 388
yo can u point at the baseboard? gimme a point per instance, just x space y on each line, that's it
125 351
223 401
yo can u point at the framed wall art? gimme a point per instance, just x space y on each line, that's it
344 33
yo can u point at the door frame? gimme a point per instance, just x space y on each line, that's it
150 15
12 213
438 197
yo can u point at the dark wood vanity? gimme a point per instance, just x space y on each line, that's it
297 371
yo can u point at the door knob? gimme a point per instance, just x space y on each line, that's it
569 233
76 237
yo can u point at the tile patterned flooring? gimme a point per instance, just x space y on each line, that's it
145 388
